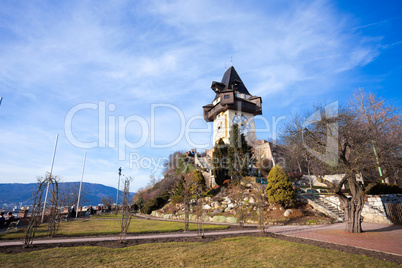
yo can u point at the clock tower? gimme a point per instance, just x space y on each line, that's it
233 104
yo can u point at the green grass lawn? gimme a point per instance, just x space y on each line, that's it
110 215
231 252
109 226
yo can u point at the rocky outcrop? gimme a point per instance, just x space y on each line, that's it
193 217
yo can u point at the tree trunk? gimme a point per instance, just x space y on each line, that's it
353 210
352 206
186 214
240 201
298 164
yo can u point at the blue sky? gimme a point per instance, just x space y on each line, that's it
125 81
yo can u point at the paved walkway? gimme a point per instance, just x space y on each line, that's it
380 237
128 237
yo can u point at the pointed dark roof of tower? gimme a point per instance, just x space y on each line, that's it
231 78
231 81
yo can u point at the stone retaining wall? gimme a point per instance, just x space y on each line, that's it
374 209
193 217
334 179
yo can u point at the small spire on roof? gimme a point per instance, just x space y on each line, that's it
231 61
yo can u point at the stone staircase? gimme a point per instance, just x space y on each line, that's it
203 162
331 207
326 207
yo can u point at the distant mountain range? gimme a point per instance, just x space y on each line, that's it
12 194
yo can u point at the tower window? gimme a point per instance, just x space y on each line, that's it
226 96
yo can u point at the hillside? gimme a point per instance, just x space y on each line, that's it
92 193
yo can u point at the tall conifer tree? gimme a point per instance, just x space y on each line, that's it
219 161
239 153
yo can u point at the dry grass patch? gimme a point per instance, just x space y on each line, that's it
108 227
232 252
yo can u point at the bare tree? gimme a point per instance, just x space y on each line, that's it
107 202
125 215
200 211
363 138
198 189
237 194
297 156
193 188
36 217
187 195
381 124
259 193
370 145
68 193
240 205
54 213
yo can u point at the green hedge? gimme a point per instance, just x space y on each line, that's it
385 188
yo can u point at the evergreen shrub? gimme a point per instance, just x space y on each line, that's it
213 191
198 177
279 188
156 203
176 199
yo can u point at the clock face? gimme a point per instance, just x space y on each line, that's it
219 129
243 123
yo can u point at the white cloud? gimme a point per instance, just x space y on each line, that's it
54 56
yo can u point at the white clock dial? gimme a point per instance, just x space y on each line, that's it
243 123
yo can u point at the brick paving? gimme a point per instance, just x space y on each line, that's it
379 237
